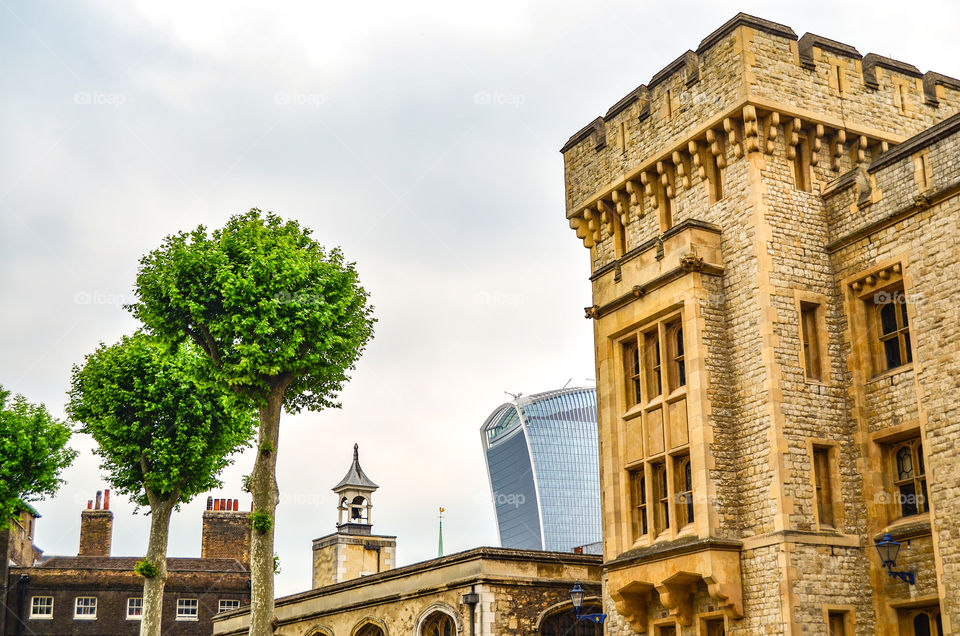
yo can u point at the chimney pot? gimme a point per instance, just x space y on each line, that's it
89 504
99 499
236 504
106 499
223 504
216 504
209 503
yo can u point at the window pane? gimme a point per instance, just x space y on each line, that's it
903 312
888 318
906 342
904 464
908 500
891 350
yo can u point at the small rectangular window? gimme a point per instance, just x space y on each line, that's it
228 604
638 501
41 607
684 489
662 496
714 627
134 608
824 486
631 363
893 329
651 348
187 609
909 477
85 608
810 340
837 623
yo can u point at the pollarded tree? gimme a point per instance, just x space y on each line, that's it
163 433
282 321
33 452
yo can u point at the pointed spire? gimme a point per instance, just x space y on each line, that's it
355 477
440 544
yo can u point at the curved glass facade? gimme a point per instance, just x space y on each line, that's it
542 460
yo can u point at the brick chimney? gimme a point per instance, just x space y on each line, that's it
96 527
226 531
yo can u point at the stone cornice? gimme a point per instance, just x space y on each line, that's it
670 549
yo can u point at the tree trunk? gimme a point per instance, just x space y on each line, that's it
266 495
160 511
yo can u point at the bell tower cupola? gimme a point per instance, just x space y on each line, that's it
355 496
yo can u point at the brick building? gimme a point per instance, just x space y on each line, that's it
773 233
96 593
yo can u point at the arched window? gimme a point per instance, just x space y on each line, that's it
370 630
439 624
358 510
564 622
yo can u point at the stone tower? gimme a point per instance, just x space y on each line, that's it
773 225
353 550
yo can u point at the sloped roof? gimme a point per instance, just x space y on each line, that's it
355 477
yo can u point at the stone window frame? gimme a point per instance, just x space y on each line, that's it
866 289
234 604
804 301
184 605
131 605
913 444
888 497
41 616
80 603
684 508
832 448
849 613
639 513
660 627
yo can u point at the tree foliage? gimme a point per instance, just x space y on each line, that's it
264 301
33 452
161 430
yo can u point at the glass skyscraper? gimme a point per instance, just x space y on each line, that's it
542 460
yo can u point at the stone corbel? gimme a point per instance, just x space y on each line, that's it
676 594
730 127
816 144
694 149
771 127
635 190
591 312
666 179
681 168
631 601
690 262
579 225
751 129
837 147
607 215
791 137
729 596
622 205
716 148
861 149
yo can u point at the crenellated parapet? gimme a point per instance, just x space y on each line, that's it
694 117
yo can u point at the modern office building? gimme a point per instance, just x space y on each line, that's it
542 460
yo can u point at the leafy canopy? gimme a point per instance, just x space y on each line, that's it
33 452
266 303
159 426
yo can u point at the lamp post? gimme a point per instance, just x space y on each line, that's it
576 597
888 550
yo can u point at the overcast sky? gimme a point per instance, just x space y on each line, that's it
422 137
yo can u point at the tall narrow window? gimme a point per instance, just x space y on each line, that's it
651 348
684 477
837 623
894 329
910 478
638 494
824 485
661 488
678 368
810 340
714 627
631 363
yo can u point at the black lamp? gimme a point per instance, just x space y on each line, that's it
888 549
576 597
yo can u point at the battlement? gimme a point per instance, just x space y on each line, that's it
746 83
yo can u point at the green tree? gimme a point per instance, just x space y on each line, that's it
164 435
282 321
33 452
